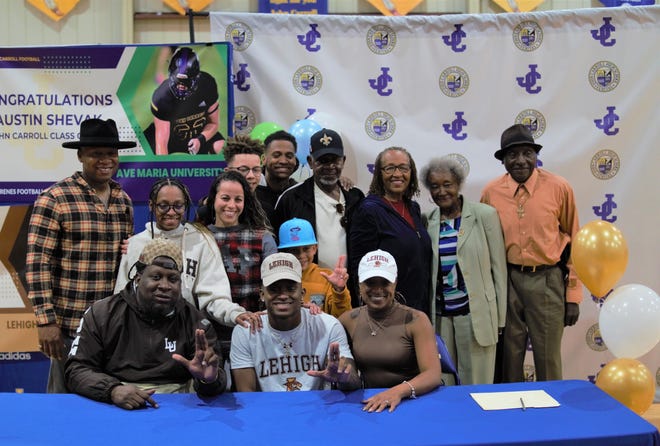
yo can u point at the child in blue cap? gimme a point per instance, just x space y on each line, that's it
324 287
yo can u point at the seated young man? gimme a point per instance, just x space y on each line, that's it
294 350
146 339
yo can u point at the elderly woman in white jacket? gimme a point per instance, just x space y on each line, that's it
469 276
204 281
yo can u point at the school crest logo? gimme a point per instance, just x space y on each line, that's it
528 36
462 160
594 339
381 39
240 35
244 120
380 125
605 164
533 120
604 76
454 82
307 80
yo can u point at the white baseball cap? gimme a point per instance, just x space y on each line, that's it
377 263
279 266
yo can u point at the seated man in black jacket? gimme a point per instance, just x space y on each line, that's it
145 339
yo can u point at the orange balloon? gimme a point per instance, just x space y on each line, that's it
628 381
600 255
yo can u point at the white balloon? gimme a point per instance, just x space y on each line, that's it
326 120
629 321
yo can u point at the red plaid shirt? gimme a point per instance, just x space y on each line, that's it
74 249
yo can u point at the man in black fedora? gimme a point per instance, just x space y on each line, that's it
74 239
539 218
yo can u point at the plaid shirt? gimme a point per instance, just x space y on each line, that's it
242 252
74 249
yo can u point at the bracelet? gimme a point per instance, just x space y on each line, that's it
202 138
413 395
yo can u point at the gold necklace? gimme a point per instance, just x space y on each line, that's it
378 324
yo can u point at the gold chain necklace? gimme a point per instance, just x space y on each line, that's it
378 324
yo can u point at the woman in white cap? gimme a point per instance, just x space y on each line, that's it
393 345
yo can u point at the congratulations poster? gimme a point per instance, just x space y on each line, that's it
48 91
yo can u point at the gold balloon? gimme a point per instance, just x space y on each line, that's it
600 255
628 381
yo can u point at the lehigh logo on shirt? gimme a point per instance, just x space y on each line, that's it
292 384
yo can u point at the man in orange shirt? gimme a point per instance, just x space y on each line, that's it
539 219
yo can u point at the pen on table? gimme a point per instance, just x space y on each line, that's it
522 403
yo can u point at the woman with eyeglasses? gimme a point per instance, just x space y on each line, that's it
204 281
390 219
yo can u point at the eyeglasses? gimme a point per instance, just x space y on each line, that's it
244 170
165 207
403 168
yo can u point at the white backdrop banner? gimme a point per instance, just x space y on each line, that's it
586 82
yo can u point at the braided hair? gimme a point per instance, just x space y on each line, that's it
242 144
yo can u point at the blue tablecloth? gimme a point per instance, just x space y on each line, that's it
586 416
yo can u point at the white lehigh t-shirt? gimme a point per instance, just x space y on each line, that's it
281 359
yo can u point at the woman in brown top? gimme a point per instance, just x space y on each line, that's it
393 345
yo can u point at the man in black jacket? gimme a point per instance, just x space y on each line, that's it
145 339
322 201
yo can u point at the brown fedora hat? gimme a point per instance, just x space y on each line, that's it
516 135
98 133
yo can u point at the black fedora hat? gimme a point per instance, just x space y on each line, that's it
98 133
516 135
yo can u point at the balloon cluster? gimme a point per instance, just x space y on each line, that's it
629 318
302 130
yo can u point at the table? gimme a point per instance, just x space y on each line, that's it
587 416
653 415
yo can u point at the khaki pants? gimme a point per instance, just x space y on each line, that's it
535 308
475 364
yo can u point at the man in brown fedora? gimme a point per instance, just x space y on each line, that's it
539 219
76 229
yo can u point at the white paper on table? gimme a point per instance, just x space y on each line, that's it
514 400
